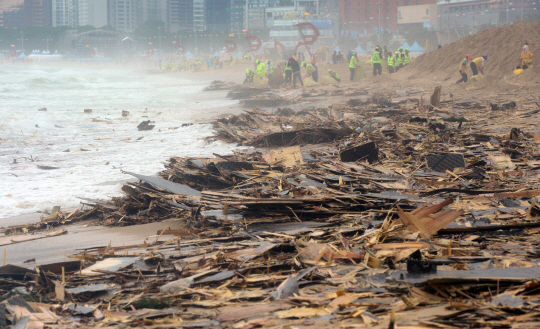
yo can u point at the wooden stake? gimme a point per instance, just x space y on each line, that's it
63 275
5 255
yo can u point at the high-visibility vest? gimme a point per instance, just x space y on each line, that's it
398 60
376 58
463 65
407 59
353 62
260 70
391 60
270 69
287 67
310 68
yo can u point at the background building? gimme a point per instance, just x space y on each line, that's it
420 16
123 15
92 12
366 17
21 13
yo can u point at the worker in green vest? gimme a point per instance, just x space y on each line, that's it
249 76
397 62
407 57
334 75
353 64
376 62
260 70
288 72
311 71
391 62
270 69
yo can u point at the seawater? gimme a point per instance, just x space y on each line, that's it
91 150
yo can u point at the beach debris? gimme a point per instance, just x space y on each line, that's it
88 111
44 109
146 125
125 113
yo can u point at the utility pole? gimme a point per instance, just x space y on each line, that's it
22 42
379 4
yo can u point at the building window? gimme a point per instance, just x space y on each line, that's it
350 3
369 3
427 12
418 2
359 11
398 3
359 3
407 3
368 11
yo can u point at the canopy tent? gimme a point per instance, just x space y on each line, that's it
216 54
415 48
189 54
22 55
406 45
360 50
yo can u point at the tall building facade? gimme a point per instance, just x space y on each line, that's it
92 12
63 13
123 15
180 15
21 13
218 15
153 10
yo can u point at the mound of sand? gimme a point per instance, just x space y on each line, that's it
309 82
260 81
503 45
327 80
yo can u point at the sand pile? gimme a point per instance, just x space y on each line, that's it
503 45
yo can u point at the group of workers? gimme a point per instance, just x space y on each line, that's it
398 60
194 64
476 65
260 71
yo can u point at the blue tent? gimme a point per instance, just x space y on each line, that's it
216 54
359 50
189 54
415 48
406 45
22 55
239 54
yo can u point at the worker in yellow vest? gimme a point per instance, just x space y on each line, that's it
334 75
249 76
376 62
260 70
391 62
270 69
353 64
397 62
463 65
407 57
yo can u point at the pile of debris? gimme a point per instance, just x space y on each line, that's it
412 216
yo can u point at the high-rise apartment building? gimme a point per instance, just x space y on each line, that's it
180 15
63 13
92 12
153 10
124 15
20 13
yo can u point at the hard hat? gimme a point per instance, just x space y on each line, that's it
406 49
469 57
400 48
485 57
397 52
330 70
257 61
